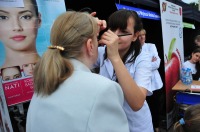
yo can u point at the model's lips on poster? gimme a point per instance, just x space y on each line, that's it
18 37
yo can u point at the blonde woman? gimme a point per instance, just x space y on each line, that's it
68 96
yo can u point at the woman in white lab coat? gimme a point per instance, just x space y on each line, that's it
154 100
121 61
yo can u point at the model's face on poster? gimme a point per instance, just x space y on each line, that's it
10 73
28 69
19 26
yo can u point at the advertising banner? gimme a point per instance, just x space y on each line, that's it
24 35
141 12
172 32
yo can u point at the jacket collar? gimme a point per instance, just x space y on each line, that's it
79 66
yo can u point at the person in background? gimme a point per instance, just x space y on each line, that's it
121 60
18 32
197 40
191 120
67 95
10 73
193 64
153 101
194 46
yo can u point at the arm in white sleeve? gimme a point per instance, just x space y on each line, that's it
155 64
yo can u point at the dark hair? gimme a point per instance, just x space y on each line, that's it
118 20
196 76
191 120
34 2
197 50
86 9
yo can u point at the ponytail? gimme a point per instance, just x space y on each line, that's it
69 33
51 71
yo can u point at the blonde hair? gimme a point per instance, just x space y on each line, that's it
143 31
191 119
70 31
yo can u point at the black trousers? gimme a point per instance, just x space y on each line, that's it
156 105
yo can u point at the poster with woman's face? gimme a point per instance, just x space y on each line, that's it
24 35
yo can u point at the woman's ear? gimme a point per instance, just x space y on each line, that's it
90 47
135 36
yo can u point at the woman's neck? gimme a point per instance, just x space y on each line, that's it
20 58
142 44
123 53
191 61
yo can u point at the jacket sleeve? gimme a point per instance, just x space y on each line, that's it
156 64
107 114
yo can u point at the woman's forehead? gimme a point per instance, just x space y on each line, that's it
10 70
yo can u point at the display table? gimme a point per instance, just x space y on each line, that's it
194 87
186 95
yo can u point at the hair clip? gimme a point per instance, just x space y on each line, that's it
181 121
56 47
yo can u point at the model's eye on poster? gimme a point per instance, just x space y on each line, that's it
24 36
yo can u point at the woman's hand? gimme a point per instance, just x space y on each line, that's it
102 23
153 59
110 39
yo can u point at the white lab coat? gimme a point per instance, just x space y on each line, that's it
156 81
140 71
